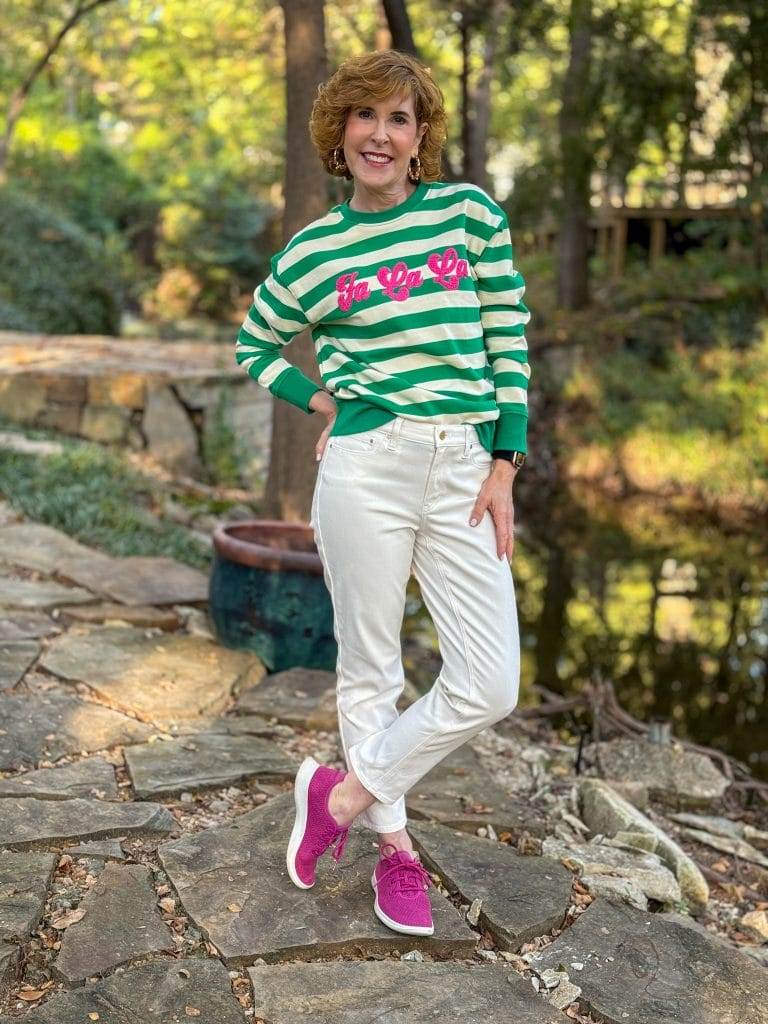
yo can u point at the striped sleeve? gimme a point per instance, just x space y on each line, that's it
274 319
500 288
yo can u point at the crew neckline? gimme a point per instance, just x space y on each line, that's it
390 213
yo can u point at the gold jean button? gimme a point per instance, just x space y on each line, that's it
442 434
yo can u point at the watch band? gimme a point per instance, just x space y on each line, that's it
517 458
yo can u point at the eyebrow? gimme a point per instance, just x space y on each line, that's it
364 106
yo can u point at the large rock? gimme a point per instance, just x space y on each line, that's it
396 993
203 761
121 925
49 824
680 778
171 438
46 723
144 616
460 793
92 777
645 871
522 897
24 880
134 581
162 992
39 594
301 697
234 884
15 659
604 811
642 968
25 625
160 679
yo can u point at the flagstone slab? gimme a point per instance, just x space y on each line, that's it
162 679
523 897
17 625
203 761
396 992
92 777
161 992
640 968
234 884
301 697
144 616
39 594
242 725
135 580
104 849
460 793
15 659
122 923
646 871
39 723
24 880
678 777
26 823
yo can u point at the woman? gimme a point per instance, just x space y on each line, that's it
418 324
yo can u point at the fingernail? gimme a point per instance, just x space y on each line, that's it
317 457
473 522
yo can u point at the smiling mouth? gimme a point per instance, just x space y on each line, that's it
377 161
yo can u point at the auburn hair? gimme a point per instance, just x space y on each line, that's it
379 75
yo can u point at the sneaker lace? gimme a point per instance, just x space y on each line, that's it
411 875
327 835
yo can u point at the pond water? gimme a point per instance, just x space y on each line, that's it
672 609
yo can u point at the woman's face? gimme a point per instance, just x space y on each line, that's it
385 127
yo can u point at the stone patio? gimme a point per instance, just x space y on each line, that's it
145 806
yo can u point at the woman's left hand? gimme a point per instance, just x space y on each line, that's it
496 497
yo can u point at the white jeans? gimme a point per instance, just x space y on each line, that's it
387 502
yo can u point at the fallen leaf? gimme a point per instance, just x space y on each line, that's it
64 918
234 907
192 1011
29 995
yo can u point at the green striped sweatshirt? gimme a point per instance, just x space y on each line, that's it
415 311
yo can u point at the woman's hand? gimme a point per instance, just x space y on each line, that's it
496 497
322 402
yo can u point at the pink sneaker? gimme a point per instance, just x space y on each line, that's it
401 884
314 828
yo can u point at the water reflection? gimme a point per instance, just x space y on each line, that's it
673 608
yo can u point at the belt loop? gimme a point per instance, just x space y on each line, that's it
394 434
467 434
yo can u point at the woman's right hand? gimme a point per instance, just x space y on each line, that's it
322 402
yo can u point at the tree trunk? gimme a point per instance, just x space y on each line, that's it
292 467
576 163
480 99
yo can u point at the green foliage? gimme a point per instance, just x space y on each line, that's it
90 494
53 275
211 229
91 186
221 447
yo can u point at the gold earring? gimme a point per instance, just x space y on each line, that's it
339 164
415 173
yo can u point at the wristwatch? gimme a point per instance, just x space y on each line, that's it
516 458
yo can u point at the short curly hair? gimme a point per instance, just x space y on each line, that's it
379 75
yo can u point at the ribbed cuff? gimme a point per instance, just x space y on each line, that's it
295 387
511 432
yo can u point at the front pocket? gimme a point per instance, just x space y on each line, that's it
357 444
479 457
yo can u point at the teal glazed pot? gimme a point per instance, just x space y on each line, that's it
267 594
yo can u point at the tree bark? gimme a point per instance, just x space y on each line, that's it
292 468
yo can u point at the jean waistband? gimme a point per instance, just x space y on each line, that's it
437 434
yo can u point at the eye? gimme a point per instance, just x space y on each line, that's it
401 119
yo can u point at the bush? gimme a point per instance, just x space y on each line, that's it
54 277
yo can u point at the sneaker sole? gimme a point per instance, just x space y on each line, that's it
301 799
406 929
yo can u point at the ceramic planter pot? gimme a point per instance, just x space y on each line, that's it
267 594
